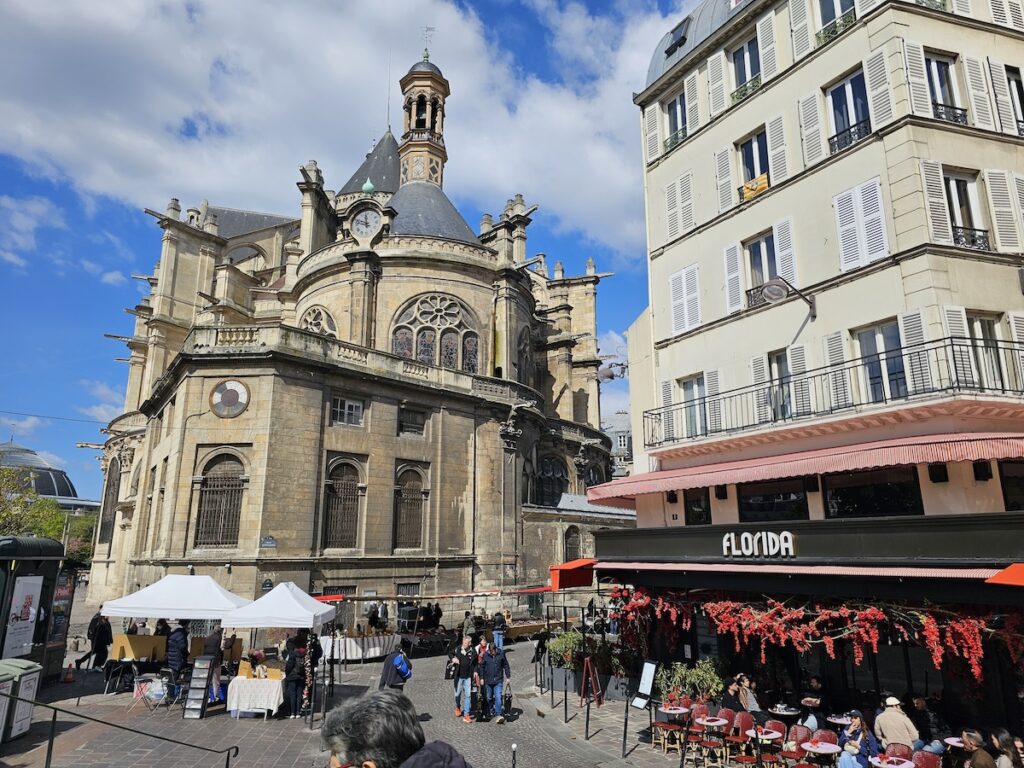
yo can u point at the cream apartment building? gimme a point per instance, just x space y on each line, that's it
865 160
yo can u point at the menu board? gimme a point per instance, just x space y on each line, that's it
60 611
21 621
198 688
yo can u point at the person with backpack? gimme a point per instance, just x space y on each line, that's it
397 668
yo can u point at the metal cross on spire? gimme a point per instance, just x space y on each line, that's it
428 34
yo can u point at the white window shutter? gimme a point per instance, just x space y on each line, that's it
766 46
916 365
714 404
847 229
1016 322
876 76
977 91
723 179
691 287
800 387
785 259
875 244
1003 213
716 83
762 391
1016 14
652 117
668 416
917 79
811 134
864 7
838 377
692 103
1000 14
962 7
1018 183
678 301
733 279
800 28
935 202
778 162
961 366
672 210
1001 90
686 220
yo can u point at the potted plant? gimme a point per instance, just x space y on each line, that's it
702 681
564 652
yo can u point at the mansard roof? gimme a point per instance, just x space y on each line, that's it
232 222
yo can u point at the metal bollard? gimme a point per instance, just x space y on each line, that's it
514 756
625 728
565 702
53 735
586 728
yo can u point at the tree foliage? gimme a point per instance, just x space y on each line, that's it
23 512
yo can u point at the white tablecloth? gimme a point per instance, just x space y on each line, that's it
255 694
358 648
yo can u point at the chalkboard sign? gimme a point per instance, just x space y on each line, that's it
198 688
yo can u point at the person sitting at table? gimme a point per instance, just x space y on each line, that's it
814 702
893 726
748 698
930 727
858 743
974 746
162 628
730 699
1007 755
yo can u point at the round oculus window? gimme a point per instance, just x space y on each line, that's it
229 399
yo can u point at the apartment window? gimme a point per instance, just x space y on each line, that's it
984 330
411 422
833 9
942 88
779 500
1016 85
676 110
962 199
622 441
882 362
848 112
697 506
781 403
694 406
1011 474
886 492
345 410
761 253
746 62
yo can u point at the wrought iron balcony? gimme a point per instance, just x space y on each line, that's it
836 27
935 5
754 187
675 138
849 137
754 297
1020 127
746 89
904 375
949 113
966 237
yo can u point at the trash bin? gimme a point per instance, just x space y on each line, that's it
6 686
25 677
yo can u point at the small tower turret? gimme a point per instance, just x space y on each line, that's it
422 153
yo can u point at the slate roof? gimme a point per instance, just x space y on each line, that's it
573 502
703 21
232 222
425 66
424 209
380 167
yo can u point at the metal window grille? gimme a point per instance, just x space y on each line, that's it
407 590
110 502
409 510
220 503
342 501
572 543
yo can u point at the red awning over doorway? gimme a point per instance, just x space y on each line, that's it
575 573
883 453
898 572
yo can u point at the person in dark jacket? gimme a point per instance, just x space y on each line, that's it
177 648
101 640
463 661
381 729
499 630
397 667
858 743
162 628
436 615
494 674
294 677
90 634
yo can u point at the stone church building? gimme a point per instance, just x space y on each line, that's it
367 397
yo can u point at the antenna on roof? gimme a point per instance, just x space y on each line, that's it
428 35
387 91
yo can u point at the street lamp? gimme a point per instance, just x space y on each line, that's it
778 289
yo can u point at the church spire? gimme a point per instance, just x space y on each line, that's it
422 153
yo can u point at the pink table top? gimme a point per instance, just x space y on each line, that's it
891 762
673 710
712 721
954 741
822 748
838 720
765 734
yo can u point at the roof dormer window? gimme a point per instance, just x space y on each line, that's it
677 37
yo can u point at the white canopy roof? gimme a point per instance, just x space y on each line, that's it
284 606
177 597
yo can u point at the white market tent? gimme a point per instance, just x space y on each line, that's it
177 597
284 606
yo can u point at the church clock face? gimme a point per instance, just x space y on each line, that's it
229 399
366 223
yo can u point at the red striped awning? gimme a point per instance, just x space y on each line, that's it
901 572
883 453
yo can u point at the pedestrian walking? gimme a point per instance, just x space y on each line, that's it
495 673
101 640
469 627
499 630
463 663
90 635
397 667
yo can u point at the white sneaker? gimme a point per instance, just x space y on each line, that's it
499 719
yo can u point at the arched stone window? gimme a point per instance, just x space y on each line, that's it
450 349
341 507
408 518
433 115
109 512
319 320
572 542
220 502
595 474
552 481
401 342
421 112
425 338
437 329
470 352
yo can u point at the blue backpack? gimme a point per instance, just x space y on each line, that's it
402 665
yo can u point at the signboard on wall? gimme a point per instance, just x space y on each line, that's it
60 611
21 618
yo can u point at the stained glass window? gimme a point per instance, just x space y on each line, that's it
401 342
425 345
470 352
450 349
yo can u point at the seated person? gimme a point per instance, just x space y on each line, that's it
931 729
814 703
730 699
748 698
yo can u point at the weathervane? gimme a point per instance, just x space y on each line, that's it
428 34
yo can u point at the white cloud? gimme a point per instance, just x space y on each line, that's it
113 278
247 92
52 458
612 343
102 391
102 412
13 259
20 218
90 266
24 426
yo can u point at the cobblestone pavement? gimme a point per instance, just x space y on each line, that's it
543 740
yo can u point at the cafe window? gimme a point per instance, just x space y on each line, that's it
778 500
1011 473
884 492
697 506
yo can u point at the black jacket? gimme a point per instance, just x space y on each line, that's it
436 754
294 669
494 669
466 659
177 648
103 635
732 702
499 622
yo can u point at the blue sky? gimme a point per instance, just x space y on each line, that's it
128 104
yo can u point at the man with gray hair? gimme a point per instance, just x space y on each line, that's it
382 730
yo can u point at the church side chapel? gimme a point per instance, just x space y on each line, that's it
365 397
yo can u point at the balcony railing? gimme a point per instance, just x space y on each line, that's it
746 89
674 138
754 187
1020 127
836 27
966 237
949 113
849 137
754 297
935 5
903 375
424 134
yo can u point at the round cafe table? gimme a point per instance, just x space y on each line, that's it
954 741
711 722
821 748
673 712
765 735
838 719
891 762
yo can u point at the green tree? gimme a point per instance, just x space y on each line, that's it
23 512
80 533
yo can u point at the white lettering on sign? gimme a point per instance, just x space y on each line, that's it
758 544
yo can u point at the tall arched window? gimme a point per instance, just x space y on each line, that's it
341 514
572 544
425 345
401 342
437 329
470 353
421 112
433 115
450 349
220 502
409 510
552 481
109 513
595 474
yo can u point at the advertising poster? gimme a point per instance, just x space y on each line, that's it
60 611
21 619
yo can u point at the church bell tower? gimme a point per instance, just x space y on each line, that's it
422 153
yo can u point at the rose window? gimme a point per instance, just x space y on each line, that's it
437 317
439 311
319 320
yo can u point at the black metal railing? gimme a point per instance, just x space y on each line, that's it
966 237
1020 127
849 137
944 366
756 186
935 5
424 134
755 298
676 137
836 27
949 113
746 89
